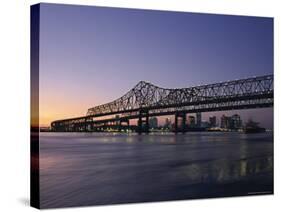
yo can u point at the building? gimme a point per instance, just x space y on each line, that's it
225 122
213 121
191 121
205 124
198 119
153 122
236 122
168 123
233 122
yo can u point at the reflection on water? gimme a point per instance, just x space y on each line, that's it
86 169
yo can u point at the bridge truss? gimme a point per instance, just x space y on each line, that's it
147 100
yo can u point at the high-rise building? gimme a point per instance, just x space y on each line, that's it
236 122
198 119
233 122
168 123
213 121
225 122
153 122
191 121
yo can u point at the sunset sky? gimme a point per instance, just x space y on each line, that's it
93 55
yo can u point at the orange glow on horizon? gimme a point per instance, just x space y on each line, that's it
60 102
55 107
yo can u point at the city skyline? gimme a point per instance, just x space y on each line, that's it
155 121
93 55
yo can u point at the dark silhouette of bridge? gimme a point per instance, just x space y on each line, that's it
147 100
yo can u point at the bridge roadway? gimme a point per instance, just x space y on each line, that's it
146 100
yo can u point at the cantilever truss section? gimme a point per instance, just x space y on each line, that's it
148 96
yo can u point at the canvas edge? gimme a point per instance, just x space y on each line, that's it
34 106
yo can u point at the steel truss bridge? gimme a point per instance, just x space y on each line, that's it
147 100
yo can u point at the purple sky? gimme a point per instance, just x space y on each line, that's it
93 55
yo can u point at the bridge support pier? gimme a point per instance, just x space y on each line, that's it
84 125
182 116
75 128
143 121
85 129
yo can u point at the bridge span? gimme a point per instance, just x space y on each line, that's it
147 100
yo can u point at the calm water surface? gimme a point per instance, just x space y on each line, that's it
79 169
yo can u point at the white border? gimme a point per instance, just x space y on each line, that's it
14 124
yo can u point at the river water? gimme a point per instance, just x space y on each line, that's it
80 169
